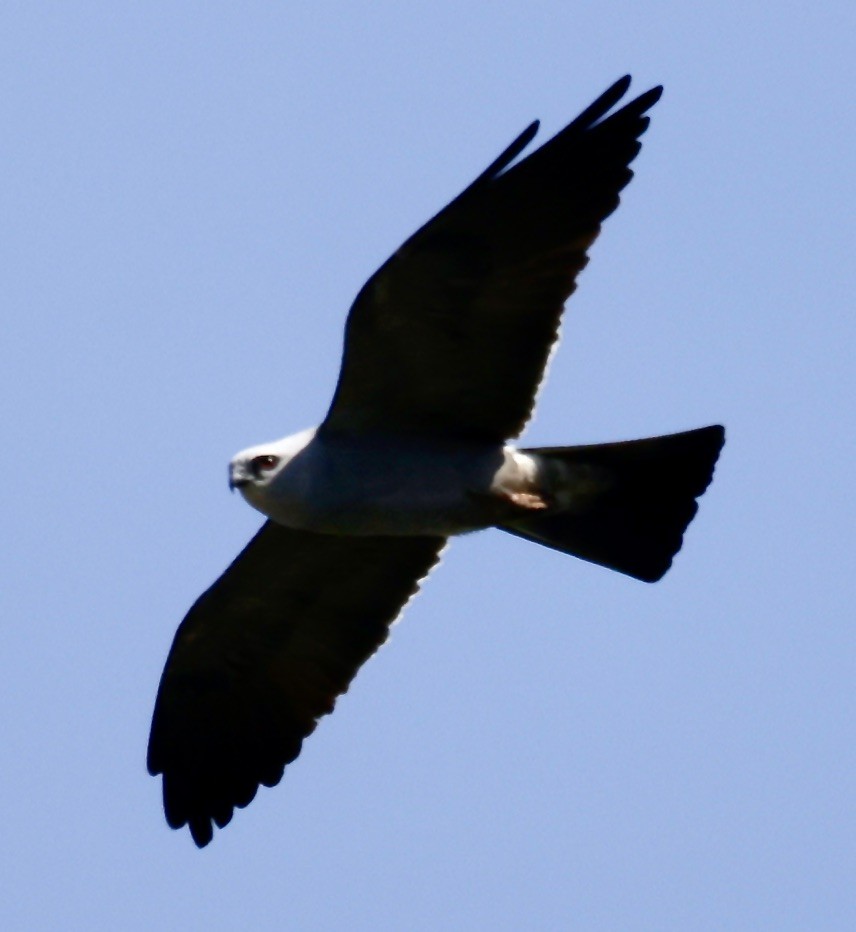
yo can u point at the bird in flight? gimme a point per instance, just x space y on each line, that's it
445 347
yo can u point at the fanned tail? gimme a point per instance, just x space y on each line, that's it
628 504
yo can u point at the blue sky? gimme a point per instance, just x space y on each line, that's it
192 195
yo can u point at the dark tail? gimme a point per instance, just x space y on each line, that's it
629 503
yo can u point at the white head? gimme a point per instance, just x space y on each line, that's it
254 469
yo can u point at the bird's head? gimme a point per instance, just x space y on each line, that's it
254 469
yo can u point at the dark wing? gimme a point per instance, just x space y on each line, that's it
450 337
263 654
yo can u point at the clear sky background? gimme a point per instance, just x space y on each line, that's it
191 195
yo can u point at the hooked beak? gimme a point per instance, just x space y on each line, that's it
237 477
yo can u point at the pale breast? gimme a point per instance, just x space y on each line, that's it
384 485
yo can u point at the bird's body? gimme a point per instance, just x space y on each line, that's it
445 348
391 485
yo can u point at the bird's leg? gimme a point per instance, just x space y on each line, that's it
528 501
505 504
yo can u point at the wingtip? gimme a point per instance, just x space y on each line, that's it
524 138
645 100
610 97
599 108
621 86
508 155
650 97
201 831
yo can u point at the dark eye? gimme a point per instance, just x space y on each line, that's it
266 463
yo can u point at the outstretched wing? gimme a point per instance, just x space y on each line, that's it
451 335
263 654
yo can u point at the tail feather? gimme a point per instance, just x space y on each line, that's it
628 504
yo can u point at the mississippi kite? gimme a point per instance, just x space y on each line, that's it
445 347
